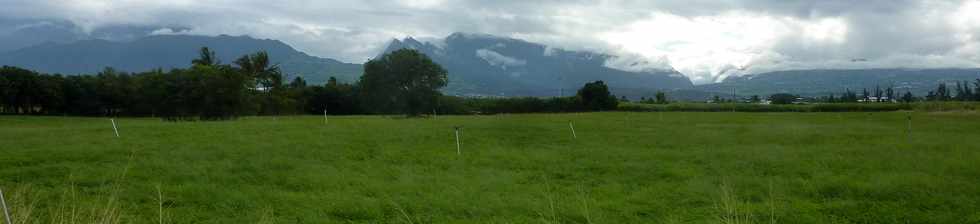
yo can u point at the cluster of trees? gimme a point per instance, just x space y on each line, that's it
401 82
782 98
964 91
659 98
208 90
878 95
594 96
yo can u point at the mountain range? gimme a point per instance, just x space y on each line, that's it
171 51
485 65
824 82
478 65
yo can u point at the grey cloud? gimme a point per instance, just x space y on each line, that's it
884 32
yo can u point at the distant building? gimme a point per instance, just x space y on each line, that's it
872 99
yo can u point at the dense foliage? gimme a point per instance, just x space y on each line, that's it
403 82
782 98
963 91
208 90
595 96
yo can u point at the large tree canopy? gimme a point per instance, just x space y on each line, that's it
595 96
403 81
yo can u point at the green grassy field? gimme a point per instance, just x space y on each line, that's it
622 168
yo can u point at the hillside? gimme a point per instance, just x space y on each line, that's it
171 51
485 65
823 82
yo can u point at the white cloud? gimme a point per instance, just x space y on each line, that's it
707 40
496 59
638 63
167 31
548 51
706 47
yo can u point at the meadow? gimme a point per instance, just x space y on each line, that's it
619 167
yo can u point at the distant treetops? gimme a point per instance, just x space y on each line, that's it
401 82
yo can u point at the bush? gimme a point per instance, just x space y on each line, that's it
782 98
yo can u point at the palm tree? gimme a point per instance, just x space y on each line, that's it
257 67
207 58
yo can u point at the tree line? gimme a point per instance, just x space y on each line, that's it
964 91
401 82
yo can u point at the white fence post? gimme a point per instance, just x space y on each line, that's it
114 129
570 126
458 150
6 213
909 115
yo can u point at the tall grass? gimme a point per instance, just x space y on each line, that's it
779 167
69 208
731 210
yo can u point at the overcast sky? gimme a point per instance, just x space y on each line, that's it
705 39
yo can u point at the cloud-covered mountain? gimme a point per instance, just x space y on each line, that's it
171 51
823 82
480 64
16 34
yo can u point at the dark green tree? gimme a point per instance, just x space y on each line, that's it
297 83
907 97
976 91
206 57
267 78
334 97
5 88
662 98
878 92
259 68
963 91
849 96
782 98
890 93
115 91
595 96
942 93
404 81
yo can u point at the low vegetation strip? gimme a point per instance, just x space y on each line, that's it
620 167
818 107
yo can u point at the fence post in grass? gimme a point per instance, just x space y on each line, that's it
6 213
628 113
458 150
909 118
114 129
570 126
734 99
